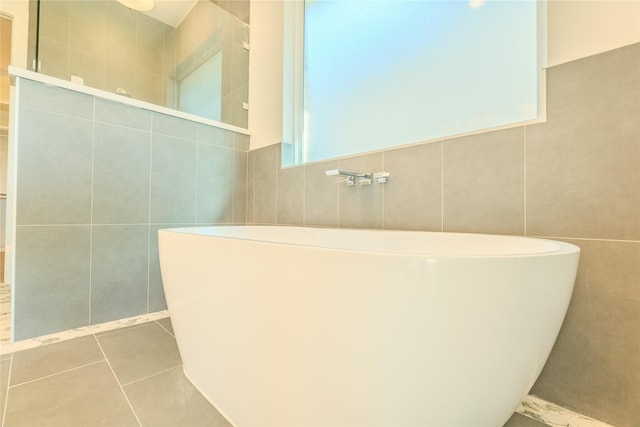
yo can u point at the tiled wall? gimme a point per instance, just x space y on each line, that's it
574 178
108 45
95 181
210 28
112 46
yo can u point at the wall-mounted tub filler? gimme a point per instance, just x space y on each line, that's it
351 178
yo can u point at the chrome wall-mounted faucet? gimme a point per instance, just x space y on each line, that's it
351 178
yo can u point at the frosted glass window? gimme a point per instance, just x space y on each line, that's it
381 73
201 91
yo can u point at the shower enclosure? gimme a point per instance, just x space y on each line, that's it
189 55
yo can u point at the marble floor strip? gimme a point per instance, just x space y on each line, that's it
7 347
5 312
555 416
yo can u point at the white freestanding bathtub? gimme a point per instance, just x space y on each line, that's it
293 326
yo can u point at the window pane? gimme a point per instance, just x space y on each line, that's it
380 73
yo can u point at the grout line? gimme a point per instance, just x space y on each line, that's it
57 373
168 331
149 214
93 163
118 381
152 375
6 397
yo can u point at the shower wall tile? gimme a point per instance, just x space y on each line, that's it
121 168
583 164
58 149
149 87
361 206
173 180
121 35
239 187
149 46
122 115
483 183
174 126
89 66
321 195
54 59
215 136
52 293
119 76
42 97
413 194
290 196
88 26
215 185
593 367
119 271
267 164
54 22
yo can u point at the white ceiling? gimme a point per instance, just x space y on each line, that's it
171 12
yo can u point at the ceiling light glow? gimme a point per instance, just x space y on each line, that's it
140 5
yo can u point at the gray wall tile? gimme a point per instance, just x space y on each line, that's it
52 266
119 271
54 169
290 197
593 367
265 184
241 142
321 195
174 126
173 180
583 164
251 187
483 183
240 187
61 101
122 115
413 194
121 175
215 136
361 205
215 184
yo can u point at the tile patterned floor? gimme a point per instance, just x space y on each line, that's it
127 377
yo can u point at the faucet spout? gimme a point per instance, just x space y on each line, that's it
343 172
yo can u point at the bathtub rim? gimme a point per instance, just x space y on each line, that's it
555 247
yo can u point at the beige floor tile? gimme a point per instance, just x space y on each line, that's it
88 396
5 366
518 420
157 402
138 352
54 358
166 323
